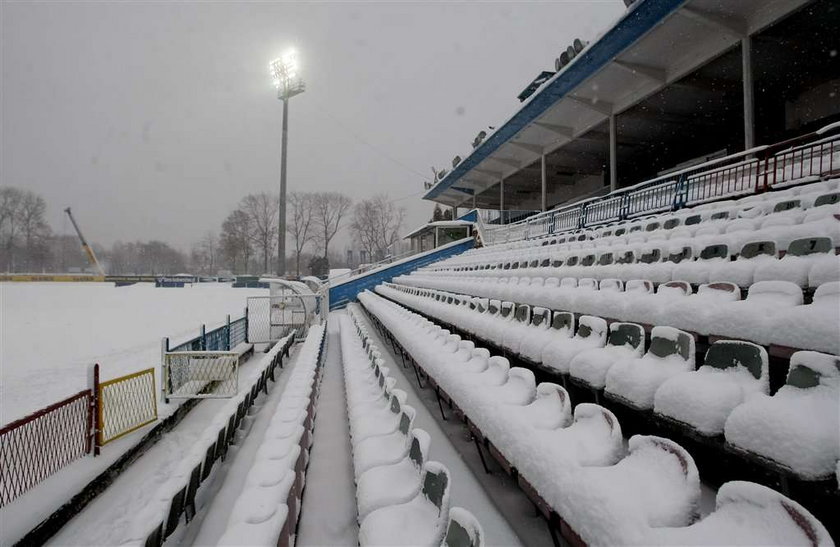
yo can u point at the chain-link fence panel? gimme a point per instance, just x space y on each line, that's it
270 318
125 404
201 374
35 447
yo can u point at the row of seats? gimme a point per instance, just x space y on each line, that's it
157 520
727 395
575 468
780 213
268 507
773 313
402 497
807 261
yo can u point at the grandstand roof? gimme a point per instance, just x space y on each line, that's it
654 44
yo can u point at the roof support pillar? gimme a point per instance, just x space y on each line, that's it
613 154
749 104
501 200
544 184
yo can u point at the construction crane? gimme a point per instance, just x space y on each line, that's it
85 247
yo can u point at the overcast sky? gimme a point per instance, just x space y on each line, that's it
152 119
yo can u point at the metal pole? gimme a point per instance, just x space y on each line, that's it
501 201
543 181
749 109
613 155
281 229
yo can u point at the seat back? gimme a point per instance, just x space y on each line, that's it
786 205
563 320
683 286
810 368
622 334
678 255
493 306
523 313
406 420
591 326
614 285
436 485
810 245
651 256
726 354
507 310
667 341
827 199
758 248
568 283
719 250
642 286
464 529
722 290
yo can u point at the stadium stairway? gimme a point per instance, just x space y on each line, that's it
346 290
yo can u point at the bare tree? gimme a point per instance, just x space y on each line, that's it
10 199
301 214
235 241
204 255
376 225
329 210
263 212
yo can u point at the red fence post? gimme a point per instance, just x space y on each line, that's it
95 406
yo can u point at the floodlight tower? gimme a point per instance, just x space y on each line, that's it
284 73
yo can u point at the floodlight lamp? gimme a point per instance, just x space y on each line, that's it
284 70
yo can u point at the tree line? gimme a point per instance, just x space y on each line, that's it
246 242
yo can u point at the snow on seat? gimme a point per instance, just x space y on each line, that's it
798 428
512 336
550 409
589 367
732 373
802 255
593 439
699 271
384 449
635 382
591 333
748 319
464 530
559 325
753 254
811 326
657 484
393 483
748 514
419 521
378 423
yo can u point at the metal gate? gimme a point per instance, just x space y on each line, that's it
270 318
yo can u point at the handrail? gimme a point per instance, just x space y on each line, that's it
671 191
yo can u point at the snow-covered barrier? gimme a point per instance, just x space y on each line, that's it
267 510
577 471
402 497
158 519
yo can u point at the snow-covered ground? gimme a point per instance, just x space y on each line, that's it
50 333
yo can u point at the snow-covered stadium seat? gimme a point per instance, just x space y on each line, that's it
561 325
419 521
798 428
589 367
732 373
635 382
464 530
591 333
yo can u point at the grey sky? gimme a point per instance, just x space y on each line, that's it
153 119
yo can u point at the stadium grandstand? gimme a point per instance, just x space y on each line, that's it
637 342
650 316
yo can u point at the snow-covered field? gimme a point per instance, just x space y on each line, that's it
50 333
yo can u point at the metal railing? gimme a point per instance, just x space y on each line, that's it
796 161
35 447
124 404
223 338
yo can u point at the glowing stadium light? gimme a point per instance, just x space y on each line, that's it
285 75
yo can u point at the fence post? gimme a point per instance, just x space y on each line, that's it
203 337
246 322
95 416
164 371
227 347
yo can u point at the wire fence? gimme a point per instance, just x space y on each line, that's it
35 447
125 404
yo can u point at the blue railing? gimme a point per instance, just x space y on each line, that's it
224 338
805 158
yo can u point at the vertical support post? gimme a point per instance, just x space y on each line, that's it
95 415
749 106
502 201
613 154
474 194
164 371
544 184
436 238
246 322
227 345
281 236
203 338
